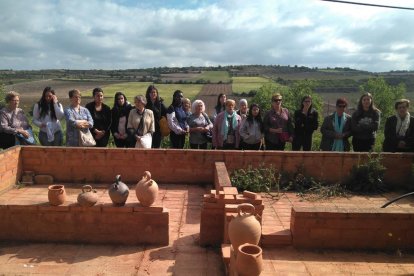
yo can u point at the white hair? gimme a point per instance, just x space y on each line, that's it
243 101
196 103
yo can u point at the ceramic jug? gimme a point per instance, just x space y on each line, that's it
56 195
249 260
146 190
118 192
88 197
245 228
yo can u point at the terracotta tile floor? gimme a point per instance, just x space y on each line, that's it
183 256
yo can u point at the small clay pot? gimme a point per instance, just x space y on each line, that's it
146 190
249 260
118 192
88 197
56 195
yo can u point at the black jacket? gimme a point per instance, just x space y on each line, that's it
391 139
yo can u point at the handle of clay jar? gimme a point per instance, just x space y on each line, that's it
245 208
88 188
147 175
118 178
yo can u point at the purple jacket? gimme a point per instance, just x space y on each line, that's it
218 139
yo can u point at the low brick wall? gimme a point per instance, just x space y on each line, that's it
10 168
127 225
76 165
352 228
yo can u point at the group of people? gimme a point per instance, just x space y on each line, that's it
148 120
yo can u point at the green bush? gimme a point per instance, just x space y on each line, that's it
367 177
261 179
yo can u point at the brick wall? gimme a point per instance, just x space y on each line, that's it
10 168
323 227
127 225
193 166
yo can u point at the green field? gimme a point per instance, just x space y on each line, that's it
245 84
131 89
213 76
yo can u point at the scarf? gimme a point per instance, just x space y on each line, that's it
402 125
338 144
225 127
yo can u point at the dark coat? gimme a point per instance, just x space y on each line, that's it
391 139
306 124
328 132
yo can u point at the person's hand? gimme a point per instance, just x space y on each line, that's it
290 139
24 133
99 134
54 99
278 130
138 138
117 136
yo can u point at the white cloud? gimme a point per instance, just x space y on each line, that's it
122 34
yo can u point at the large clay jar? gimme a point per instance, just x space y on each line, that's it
118 192
245 228
249 260
88 197
56 195
146 190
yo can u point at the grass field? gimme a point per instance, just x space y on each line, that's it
245 84
213 76
131 89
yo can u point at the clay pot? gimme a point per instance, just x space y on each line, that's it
118 192
146 190
88 197
249 260
56 195
245 228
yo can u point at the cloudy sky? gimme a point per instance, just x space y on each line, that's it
122 34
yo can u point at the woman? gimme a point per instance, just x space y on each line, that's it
187 106
119 114
141 123
199 125
47 114
78 118
14 125
306 122
399 129
251 131
101 115
177 121
336 128
220 106
277 125
156 104
243 110
364 124
226 129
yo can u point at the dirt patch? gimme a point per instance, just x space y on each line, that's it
210 92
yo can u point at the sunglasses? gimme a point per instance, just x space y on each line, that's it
277 100
341 106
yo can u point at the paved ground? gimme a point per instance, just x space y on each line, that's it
183 256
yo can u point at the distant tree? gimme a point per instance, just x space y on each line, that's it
264 95
384 95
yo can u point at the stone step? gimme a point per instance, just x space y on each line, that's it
276 239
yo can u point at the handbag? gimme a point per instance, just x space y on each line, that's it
86 138
21 140
164 129
284 137
209 134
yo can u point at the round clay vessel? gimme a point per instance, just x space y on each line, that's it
88 197
245 228
118 192
56 195
146 190
249 260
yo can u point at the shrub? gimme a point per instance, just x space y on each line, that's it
367 177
